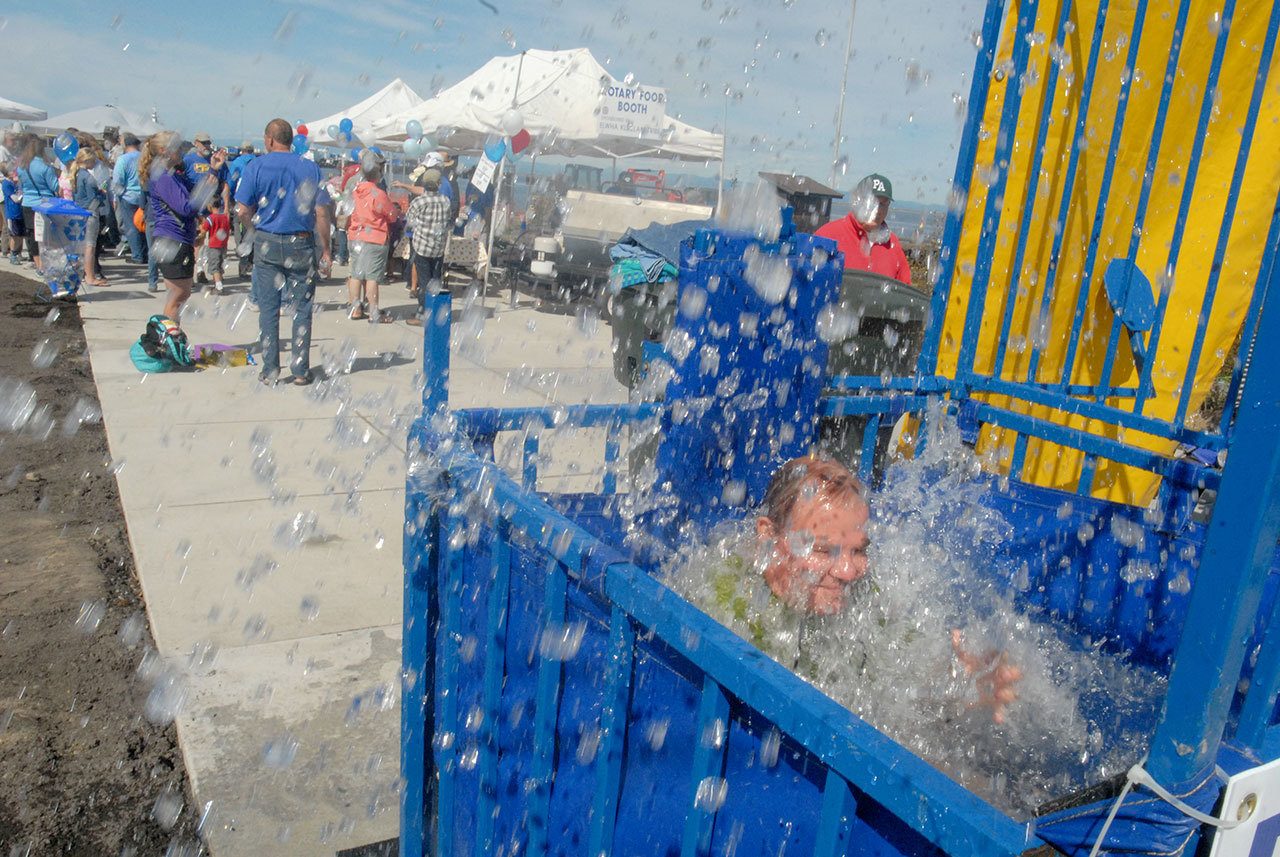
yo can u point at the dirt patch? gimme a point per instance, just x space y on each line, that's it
84 771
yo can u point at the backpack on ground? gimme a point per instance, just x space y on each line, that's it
162 347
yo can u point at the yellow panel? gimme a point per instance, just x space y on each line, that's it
1049 464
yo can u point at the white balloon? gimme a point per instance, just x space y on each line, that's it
512 122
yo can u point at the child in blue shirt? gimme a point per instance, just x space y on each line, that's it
13 214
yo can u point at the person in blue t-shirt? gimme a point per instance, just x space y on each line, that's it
197 165
39 182
280 196
234 170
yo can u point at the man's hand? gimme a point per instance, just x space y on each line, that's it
218 160
326 264
993 675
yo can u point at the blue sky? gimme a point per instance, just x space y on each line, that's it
780 60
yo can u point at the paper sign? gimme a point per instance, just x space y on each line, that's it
1254 797
483 176
633 110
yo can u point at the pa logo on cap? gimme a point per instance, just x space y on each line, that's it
878 186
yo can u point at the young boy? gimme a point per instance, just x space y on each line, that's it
13 214
217 226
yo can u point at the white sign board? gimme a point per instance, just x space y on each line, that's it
1252 797
483 176
633 110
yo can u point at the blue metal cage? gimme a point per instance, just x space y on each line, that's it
559 699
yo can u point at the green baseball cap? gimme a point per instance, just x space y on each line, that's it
879 185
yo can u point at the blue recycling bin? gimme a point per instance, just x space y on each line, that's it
65 230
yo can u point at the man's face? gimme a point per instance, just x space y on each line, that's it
822 550
203 148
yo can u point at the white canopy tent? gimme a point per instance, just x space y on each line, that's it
393 99
19 111
94 120
558 93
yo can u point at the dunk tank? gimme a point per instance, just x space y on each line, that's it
1108 264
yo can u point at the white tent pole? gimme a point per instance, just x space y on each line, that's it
844 81
497 191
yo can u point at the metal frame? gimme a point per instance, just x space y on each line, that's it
856 760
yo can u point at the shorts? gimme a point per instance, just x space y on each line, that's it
368 261
182 266
17 228
29 231
213 257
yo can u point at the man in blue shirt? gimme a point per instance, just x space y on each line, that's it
129 197
280 195
197 165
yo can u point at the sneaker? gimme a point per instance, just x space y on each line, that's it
201 278
15 259
219 290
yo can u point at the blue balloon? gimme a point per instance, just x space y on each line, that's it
414 129
300 144
332 131
375 150
355 154
346 126
495 151
66 147
412 149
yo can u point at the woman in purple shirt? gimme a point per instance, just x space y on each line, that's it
175 205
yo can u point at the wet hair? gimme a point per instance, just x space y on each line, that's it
158 145
280 131
829 479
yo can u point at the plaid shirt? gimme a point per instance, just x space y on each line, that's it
428 217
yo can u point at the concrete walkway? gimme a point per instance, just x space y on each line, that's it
266 525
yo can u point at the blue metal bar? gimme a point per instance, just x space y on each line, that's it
1096 411
916 384
1148 175
1229 215
421 612
870 435
1108 362
945 813
1181 471
1033 182
494 674
1237 555
927 363
613 740
546 712
707 781
1184 205
609 484
486 421
435 353
836 823
1005 136
848 406
1121 108
1068 185
1266 271
1260 700
1019 459
529 461
1088 465
446 647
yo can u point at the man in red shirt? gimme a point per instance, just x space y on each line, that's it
863 237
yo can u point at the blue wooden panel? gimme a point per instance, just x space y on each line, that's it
613 740
838 812
417 670
546 712
494 674
707 784
445 738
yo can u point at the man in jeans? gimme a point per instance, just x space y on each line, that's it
279 194
129 198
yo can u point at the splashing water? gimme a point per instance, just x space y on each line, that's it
1082 715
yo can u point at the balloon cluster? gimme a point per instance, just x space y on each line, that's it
417 144
66 147
300 142
342 133
515 141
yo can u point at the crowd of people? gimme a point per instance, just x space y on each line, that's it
178 207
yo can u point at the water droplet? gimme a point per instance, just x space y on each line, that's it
90 616
821 38
279 752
